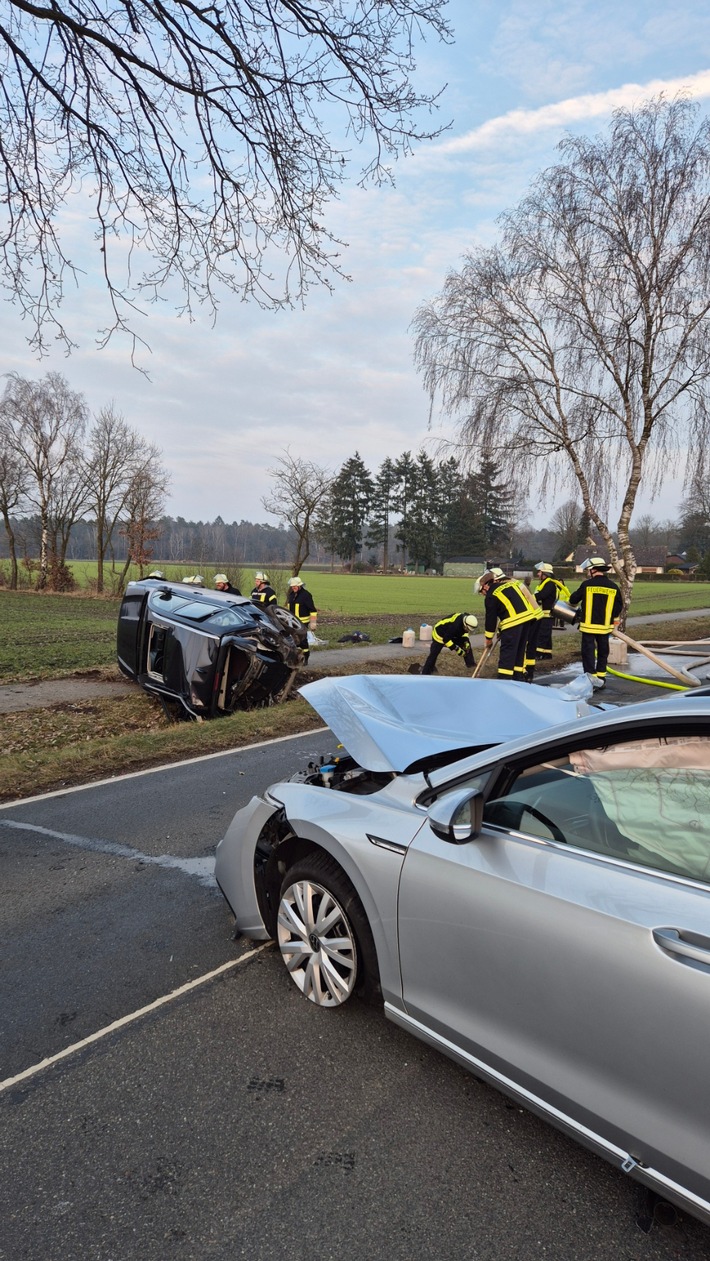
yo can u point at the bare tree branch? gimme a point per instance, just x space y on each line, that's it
202 136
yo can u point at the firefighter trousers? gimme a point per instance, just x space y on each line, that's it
595 653
544 638
511 661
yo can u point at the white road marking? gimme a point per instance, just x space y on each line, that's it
155 770
127 1020
203 868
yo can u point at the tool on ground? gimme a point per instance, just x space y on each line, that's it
485 655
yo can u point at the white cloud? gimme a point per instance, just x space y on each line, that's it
528 122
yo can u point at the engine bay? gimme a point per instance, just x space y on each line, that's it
343 774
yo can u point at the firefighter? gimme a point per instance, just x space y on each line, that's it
452 632
263 592
299 601
547 592
222 583
601 606
510 607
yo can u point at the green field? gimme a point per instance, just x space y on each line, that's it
44 636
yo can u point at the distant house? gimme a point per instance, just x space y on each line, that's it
471 566
679 560
649 560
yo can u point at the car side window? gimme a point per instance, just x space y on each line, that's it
645 801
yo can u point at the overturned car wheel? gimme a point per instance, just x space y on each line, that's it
323 934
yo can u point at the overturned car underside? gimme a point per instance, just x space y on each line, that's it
208 651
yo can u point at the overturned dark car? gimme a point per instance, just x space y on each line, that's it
207 652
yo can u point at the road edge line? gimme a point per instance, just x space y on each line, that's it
123 1021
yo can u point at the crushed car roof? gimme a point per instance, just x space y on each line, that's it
393 722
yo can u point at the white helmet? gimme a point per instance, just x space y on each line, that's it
542 567
261 577
295 582
220 578
595 562
494 574
470 621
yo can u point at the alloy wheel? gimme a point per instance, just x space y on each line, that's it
317 943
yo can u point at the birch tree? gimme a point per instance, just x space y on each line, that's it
580 344
44 424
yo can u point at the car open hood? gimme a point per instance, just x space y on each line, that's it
394 722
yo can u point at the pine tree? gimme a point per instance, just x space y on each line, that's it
350 505
382 508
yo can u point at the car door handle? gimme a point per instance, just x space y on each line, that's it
689 945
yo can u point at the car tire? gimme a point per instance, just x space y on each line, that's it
322 932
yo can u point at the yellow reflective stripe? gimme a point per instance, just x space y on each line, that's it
526 616
597 628
515 616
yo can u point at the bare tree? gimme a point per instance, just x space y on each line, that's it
144 503
300 487
116 452
70 492
14 478
206 135
583 339
565 522
44 423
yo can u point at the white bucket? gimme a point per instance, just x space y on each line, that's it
408 639
425 633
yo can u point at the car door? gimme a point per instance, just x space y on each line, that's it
558 953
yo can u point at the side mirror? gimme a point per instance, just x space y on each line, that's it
458 816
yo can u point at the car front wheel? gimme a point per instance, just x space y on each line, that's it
323 933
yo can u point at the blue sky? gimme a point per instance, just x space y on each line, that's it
223 402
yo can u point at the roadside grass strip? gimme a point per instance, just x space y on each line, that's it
131 1018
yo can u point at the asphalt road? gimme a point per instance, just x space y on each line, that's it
236 1120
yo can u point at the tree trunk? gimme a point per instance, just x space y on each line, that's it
12 550
43 551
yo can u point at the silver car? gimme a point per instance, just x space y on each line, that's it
526 887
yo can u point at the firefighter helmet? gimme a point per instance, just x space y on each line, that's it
494 574
542 567
470 621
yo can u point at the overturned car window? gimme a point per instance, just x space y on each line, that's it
227 619
166 601
196 612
